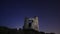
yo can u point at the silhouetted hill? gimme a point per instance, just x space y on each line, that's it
30 31
6 30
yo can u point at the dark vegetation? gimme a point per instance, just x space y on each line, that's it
5 30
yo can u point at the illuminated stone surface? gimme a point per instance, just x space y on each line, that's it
31 23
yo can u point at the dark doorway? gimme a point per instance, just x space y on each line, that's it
29 25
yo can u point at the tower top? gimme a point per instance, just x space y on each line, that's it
35 16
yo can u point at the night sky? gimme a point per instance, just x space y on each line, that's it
12 13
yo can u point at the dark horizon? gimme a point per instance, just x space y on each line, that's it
13 12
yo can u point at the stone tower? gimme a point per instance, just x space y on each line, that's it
31 23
